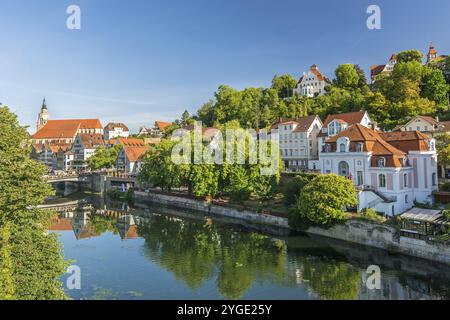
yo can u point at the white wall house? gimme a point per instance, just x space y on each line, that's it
391 170
129 159
298 142
312 83
116 130
387 69
83 148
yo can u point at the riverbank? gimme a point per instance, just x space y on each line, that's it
357 231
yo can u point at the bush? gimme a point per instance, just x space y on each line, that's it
445 187
372 215
324 199
294 186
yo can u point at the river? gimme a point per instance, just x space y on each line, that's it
157 253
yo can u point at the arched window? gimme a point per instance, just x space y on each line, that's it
405 180
406 198
382 162
382 181
342 147
343 169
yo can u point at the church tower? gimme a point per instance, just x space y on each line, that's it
43 116
432 53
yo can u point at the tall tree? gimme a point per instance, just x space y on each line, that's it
284 85
33 259
410 55
347 77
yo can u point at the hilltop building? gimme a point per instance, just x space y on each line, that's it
115 130
312 83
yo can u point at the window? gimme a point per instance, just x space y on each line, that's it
382 162
406 198
418 128
405 180
359 147
426 128
342 147
433 178
343 169
382 181
360 180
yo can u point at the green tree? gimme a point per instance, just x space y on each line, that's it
434 87
324 199
104 158
347 77
33 259
410 55
443 149
284 85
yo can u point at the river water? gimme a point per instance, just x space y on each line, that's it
157 253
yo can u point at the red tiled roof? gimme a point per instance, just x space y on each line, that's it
407 140
350 118
444 126
134 153
317 73
56 129
372 142
162 126
92 141
130 142
376 70
60 224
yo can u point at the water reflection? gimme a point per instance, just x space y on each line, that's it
202 252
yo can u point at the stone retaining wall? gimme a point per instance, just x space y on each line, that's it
355 231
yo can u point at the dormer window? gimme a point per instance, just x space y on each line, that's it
343 143
342 147
382 162
359 147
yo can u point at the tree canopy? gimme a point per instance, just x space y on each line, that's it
31 260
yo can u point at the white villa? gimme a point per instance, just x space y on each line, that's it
312 83
115 130
298 142
391 170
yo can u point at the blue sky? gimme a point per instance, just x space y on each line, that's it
144 60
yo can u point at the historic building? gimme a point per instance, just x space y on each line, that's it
83 148
376 70
42 117
433 56
298 142
156 131
115 130
432 127
130 157
312 83
391 170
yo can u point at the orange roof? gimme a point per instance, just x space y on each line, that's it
134 153
55 129
407 140
92 141
162 126
60 224
132 233
130 142
314 70
376 70
372 142
350 117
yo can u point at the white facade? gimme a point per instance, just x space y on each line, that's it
312 83
112 131
298 143
388 189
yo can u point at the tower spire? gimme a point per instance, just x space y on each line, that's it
44 104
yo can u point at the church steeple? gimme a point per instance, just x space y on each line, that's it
43 116
432 53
